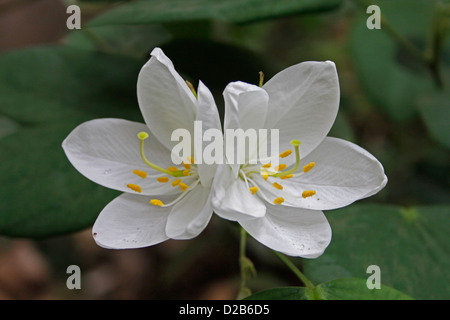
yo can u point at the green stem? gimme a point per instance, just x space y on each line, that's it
246 266
294 269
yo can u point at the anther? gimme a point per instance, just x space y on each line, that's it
285 153
162 179
279 200
265 176
280 167
278 186
308 193
176 182
186 172
172 169
134 187
140 173
190 159
267 165
309 166
253 190
288 176
183 186
156 202
186 165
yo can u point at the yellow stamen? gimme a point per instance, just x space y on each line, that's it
261 78
162 179
134 187
183 186
308 193
156 202
172 169
267 165
186 172
192 89
265 176
296 145
285 153
186 165
176 182
309 166
278 186
279 200
288 176
142 136
253 190
280 167
140 173
190 159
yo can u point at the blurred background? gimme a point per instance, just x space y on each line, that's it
395 103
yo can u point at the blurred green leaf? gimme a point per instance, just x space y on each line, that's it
50 83
129 40
42 194
337 289
284 293
392 78
435 111
410 245
45 93
237 11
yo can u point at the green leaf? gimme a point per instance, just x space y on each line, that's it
237 11
283 293
50 83
355 289
391 77
128 40
42 194
410 245
46 92
337 289
435 111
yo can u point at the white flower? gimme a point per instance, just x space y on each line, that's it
281 207
160 200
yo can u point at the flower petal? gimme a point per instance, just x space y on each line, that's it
292 231
129 221
165 100
209 117
343 173
106 151
190 216
303 103
232 199
245 108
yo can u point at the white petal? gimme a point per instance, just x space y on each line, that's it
165 100
130 221
209 116
232 199
245 108
292 231
106 151
343 173
190 216
303 103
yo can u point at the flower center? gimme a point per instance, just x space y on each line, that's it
189 171
277 172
